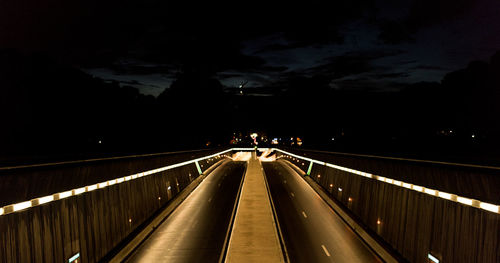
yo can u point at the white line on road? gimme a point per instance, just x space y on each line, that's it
325 250
304 214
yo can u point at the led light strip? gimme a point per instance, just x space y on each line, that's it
62 195
452 197
43 200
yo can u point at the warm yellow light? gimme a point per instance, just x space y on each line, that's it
489 207
463 200
79 190
21 206
65 194
444 195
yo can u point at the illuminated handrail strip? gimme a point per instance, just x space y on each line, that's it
452 197
42 200
65 194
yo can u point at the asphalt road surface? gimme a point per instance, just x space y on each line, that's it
311 230
196 230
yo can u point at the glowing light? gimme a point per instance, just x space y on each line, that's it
350 199
1 211
418 188
130 220
444 195
65 194
319 175
91 187
102 185
169 187
159 198
21 206
434 259
379 222
340 189
79 190
490 207
127 178
407 185
463 200
430 191
74 258
331 185
45 199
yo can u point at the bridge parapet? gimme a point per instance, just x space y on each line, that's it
82 210
435 211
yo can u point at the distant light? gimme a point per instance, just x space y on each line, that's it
130 220
331 185
169 187
473 136
350 199
340 189
319 175
159 198
100 141
333 139
241 86
379 222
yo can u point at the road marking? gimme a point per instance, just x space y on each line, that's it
325 250
293 195
304 214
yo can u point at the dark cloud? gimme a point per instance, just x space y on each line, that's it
352 63
430 67
396 32
390 75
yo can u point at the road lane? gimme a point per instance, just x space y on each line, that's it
196 230
312 231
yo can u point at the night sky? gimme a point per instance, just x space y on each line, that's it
376 45
391 75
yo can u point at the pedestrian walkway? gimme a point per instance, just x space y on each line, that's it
254 237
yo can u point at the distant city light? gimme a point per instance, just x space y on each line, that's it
473 136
